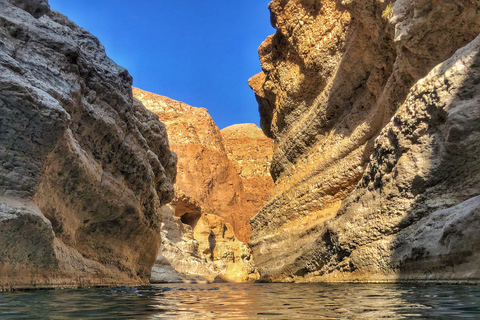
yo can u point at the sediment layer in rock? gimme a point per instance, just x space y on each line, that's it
84 168
343 82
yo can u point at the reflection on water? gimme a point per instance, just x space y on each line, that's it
247 301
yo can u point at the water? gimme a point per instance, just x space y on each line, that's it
247 301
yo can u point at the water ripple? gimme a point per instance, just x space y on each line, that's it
247 301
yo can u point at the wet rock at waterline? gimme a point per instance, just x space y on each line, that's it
84 168
376 154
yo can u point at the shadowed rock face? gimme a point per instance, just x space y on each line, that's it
337 77
84 168
209 216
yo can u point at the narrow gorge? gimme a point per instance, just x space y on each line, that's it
222 181
366 167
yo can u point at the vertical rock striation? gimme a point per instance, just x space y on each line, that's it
338 82
84 168
209 216
251 153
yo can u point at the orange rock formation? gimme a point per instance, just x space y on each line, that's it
204 172
251 153
211 199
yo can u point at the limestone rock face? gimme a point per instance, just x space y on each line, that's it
334 75
84 168
210 211
417 207
251 153
206 251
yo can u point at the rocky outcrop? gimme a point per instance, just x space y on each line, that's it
204 251
361 125
251 153
205 174
210 212
84 168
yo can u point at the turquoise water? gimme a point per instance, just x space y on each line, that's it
247 301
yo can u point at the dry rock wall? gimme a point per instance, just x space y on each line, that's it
84 168
207 222
251 153
360 98
204 250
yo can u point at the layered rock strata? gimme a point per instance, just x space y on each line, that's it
251 153
84 168
361 121
209 216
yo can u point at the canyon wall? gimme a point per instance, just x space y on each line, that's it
251 153
375 121
209 217
84 168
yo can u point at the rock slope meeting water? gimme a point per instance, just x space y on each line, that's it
84 168
374 110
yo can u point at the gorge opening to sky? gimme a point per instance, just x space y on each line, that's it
201 53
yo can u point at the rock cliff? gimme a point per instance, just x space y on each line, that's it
251 153
373 116
209 216
203 250
84 167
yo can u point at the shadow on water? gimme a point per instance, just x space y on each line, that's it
247 301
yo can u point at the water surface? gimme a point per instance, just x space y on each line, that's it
247 301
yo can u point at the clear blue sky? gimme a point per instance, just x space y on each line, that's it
198 52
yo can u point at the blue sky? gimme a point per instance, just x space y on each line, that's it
198 52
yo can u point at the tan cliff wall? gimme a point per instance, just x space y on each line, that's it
205 250
209 217
251 153
84 168
334 75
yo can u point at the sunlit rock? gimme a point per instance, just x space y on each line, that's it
251 154
209 216
342 86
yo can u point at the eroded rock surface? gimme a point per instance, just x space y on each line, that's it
210 212
334 75
251 153
204 251
205 174
84 168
